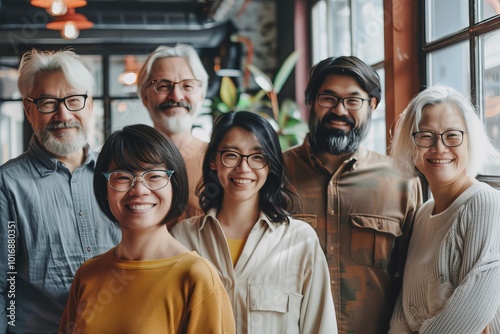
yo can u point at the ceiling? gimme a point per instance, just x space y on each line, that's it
202 23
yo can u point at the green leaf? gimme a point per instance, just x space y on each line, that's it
228 92
285 70
260 78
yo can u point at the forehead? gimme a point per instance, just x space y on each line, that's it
441 116
172 68
240 138
342 85
52 84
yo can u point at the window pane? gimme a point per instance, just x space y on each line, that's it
491 90
127 112
8 78
96 126
375 139
488 8
449 66
368 32
444 17
11 130
121 69
339 13
319 32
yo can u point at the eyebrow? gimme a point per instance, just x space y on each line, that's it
235 148
328 91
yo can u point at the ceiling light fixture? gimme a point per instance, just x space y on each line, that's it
70 24
58 7
129 76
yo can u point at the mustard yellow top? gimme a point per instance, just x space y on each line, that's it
181 294
235 248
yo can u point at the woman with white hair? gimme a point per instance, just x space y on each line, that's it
452 272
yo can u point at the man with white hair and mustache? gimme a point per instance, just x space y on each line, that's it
50 222
172 84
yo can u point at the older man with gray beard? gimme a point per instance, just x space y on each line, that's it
172 84
50 222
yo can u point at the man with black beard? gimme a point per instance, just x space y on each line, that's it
172 85
361 209
50 222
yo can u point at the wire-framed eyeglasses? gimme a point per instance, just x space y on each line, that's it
165 87
48 105
232 159
427 139
349 102
122 180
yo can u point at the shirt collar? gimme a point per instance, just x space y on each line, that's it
212 216
45 163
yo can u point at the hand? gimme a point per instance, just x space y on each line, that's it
486 330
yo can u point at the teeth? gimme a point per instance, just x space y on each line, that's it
141 207
242 181
339 123
442 161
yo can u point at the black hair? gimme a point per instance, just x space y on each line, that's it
275 196
352 66
130 149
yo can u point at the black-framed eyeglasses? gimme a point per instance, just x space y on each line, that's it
232 159
48 105
122 180
427 139
164 87
349 102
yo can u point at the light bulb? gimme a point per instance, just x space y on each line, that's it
58 8
127 78
70 31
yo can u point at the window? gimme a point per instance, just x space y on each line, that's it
462 50
343 28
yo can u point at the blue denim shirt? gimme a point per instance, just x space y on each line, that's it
50 223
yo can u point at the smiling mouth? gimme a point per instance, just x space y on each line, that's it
242 181
440 161
141 207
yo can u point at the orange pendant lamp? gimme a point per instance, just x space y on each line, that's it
58 7
70 24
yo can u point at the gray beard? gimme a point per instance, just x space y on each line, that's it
338 142
178 123
60 145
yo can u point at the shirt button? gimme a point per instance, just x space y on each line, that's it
332 212
330 249
80 213
89 249
333 282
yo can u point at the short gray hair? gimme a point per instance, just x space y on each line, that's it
67 61
180 50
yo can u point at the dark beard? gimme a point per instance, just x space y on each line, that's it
336 141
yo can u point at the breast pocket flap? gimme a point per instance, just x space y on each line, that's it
268 298
377 223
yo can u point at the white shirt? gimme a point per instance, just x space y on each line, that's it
280 283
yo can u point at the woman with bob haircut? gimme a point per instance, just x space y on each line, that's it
271 265
148 283
452 272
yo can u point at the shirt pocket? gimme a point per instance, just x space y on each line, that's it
308 218
273 310
372 239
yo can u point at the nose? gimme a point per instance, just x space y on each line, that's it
244 166
139 187
339 109
62 113
439 146
176 94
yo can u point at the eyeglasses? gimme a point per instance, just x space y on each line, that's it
450 138
152 179
232 159
349 102
164 87
48 105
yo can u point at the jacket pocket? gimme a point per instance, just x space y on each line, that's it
373 238
308 218
273 310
